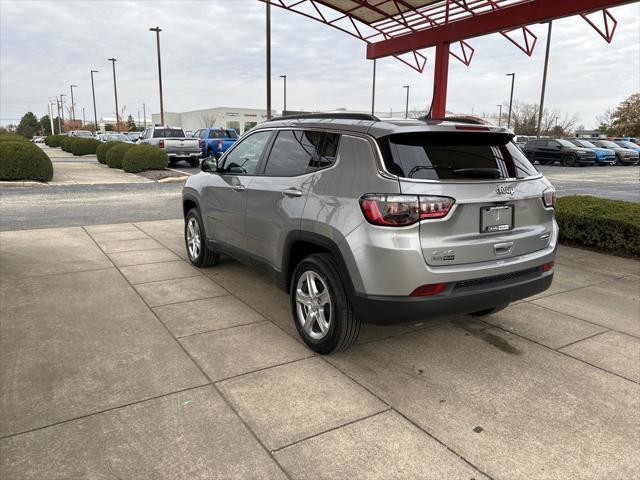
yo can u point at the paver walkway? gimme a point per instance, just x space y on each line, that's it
120 360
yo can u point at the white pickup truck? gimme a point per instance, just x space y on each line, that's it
174 142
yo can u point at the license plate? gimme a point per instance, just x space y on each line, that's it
496 219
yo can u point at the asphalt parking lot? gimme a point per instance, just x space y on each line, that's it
120 360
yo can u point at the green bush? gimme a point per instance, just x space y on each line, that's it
116 154
54 141
144 157
84 146
10 137
102 150
24 161
65 143
609 225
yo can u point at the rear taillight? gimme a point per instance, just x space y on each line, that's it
403 210
161 143
549 197
429 290
220 143
200 143
547 267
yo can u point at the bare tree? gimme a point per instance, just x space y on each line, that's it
208 120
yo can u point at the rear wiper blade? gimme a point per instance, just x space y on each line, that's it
478 172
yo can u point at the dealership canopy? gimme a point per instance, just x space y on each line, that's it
401 28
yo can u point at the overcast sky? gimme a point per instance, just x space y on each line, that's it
213 54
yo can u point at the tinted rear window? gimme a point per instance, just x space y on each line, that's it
222 134
168 133
454 156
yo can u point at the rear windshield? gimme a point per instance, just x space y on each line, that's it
223 134
168 133
454 156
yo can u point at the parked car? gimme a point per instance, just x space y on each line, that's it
174 142
37 139
628 144
548 151
604 156
80 133
115 137
626 139
133 136
363 220
521 140
215 141
624 156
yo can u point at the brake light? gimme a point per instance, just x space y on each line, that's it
473 128
220 143
429 290
403 210
547 267
200 143
161 143
549 197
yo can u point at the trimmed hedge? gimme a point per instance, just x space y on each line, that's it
102 150
11 137
54 141
600 223
144 157
24 161
116 154
84 146
65 143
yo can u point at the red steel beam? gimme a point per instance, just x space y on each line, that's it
505 18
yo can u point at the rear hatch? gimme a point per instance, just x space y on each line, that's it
498 212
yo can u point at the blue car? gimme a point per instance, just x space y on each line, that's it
604 156
628 144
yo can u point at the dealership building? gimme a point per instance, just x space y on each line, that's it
241 119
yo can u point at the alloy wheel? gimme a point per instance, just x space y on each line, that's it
194 242
313 305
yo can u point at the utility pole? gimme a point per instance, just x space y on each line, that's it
73 105
373 89
544 79
268 31
158 30
500 115
53 130
115 91
83 119
513 81
59 121
62 110
144 114
406 110
284 111
93 93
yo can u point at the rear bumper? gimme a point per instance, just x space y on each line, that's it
385 310
183 155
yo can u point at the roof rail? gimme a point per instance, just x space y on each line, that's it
335 116
469 120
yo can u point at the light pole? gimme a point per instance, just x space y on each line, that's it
284 112
513 81
406 110
500 115
373 89
144 114
115 92
268 34
158 30
53 130
73 106
59 121
83 118
544 79
93 93
62 110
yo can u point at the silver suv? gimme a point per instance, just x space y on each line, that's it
380 221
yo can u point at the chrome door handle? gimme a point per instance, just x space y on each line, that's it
292 192
239 188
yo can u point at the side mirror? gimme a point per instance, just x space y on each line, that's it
209 164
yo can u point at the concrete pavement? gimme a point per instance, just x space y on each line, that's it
120 360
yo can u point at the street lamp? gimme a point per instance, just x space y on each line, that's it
284 112
406 110
513 81
93 93
62 110
115 92
499 115
73 107
158 30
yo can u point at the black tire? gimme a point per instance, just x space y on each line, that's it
570 161
204 256
209 153
544 162
194 162
530 156
490 311
344 326
172 162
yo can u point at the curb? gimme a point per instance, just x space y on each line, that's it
172 179
22 183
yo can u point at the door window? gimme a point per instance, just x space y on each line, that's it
244 158
294 153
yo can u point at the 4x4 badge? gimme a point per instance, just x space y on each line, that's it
505 190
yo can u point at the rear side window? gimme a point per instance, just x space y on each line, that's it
222 134
294 153
168 133
454 156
